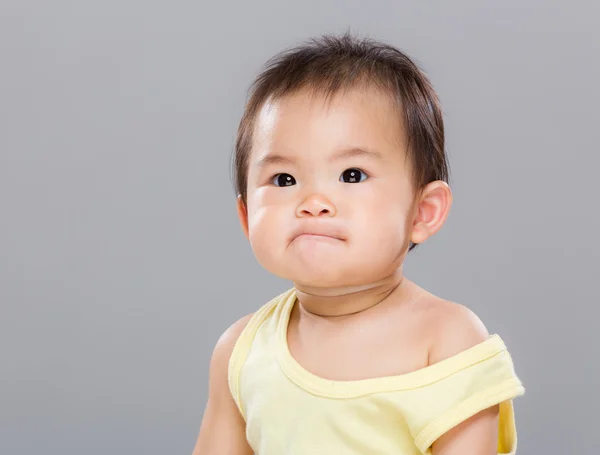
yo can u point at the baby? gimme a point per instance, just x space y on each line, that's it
340 172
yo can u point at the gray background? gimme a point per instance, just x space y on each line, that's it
121 259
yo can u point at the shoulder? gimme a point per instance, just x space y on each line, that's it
453 328
226 345
226 342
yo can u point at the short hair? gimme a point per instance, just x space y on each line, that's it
330 64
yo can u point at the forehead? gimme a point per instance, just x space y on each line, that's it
308 121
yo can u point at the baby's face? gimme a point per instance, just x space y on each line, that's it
330 197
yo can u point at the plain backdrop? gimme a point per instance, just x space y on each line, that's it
121 257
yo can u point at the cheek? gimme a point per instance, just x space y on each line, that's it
266 228
381 218
258 223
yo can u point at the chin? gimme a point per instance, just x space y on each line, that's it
339 275
322 277
313 282
317 275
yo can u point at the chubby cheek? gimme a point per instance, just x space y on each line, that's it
381 224
266 232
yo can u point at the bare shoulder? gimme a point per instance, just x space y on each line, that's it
226 343
223 427
453 328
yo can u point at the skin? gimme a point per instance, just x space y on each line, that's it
345 161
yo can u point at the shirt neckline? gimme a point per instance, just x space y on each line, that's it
356 388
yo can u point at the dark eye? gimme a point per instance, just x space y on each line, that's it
283 180
353 175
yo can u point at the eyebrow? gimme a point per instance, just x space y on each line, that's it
352 152
355 152
275 159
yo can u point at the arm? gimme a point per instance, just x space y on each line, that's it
476 435
223 430
460 329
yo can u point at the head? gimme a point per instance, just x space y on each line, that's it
340 166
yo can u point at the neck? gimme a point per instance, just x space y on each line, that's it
346 301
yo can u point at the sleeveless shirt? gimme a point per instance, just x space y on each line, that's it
290 411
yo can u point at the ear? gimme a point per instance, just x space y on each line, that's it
432 210
242 212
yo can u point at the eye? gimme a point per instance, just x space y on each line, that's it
283 180
353 175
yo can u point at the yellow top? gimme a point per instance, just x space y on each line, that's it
290 411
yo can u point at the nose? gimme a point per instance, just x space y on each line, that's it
316 205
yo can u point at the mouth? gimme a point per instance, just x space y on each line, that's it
330 235
308 235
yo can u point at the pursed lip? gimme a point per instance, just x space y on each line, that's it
325 231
